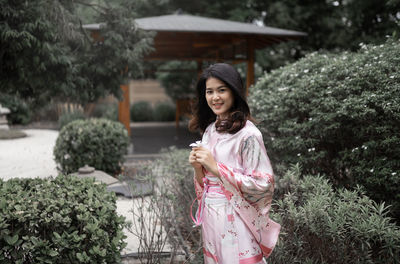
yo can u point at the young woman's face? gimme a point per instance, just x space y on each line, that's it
219 97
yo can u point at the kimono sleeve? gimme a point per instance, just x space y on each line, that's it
198 188
254 180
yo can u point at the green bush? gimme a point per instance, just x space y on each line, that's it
100 143
46 112
142 111
108 111
20 113
178 84
164 112
68 117
321 225
60 220
339 115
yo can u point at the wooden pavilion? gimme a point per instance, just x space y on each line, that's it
187 37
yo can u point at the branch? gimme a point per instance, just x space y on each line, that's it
94 6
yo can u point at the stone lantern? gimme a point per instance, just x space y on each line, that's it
3 118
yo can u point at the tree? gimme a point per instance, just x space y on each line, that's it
331 25
45 53
179 84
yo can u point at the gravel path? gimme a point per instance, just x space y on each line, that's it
28 157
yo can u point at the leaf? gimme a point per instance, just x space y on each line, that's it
11 240
56 235
35 240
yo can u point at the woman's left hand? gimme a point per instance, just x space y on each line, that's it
205 158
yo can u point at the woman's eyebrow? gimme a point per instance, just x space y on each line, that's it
210 88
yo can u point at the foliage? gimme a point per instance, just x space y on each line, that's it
173 178
99 143
164 112
46 112
331 25
142 111
68 117
148 225
60 220
236 10
20 113
321 225
46 53
337 115
106 110
179 80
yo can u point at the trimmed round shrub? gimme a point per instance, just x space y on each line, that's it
100 143
60 220
68 117
322 225
142 111
339 115
164 112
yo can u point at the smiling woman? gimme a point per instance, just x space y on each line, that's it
219 97
233 177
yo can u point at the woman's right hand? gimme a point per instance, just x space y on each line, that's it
192 160
198 168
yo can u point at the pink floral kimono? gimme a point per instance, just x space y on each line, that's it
233 210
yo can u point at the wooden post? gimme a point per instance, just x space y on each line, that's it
177 113
123 108
199 68
250 65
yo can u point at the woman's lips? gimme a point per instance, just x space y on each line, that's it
218 106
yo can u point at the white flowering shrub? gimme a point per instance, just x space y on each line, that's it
339 115
99 143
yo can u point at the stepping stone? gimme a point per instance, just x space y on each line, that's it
131 188
98 175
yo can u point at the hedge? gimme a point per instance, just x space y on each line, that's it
324 225
142 111
99 143
338 115
59 220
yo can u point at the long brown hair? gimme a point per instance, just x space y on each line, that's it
202 113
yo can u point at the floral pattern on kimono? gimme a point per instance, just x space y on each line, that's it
246 180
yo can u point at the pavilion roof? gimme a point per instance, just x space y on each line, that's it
191 37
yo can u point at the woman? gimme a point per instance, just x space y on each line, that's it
233 176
